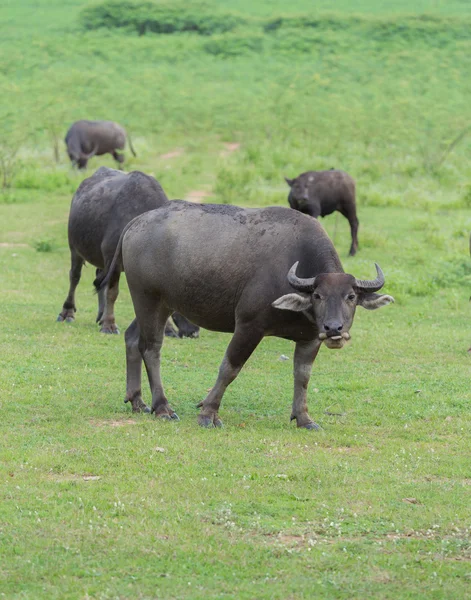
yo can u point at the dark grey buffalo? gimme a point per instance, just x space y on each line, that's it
253 273
320 193
94 138
102 206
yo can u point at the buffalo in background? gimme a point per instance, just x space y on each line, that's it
320 193
101 208
94 138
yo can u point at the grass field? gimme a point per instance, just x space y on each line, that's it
99 503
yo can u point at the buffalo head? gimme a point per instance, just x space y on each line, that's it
330 300
299 188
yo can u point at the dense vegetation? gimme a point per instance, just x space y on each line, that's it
223 98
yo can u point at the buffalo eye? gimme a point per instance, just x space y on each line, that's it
316 296
351 296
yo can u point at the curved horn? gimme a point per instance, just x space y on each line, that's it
374 285
303 285
92 153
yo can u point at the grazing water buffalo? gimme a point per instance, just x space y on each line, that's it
102 206
253 273
320 193
89 138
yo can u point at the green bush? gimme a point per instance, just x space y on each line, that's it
164 18
37 179
234 44
45 245
433 31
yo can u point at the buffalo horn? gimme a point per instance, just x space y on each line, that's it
303 285
371 286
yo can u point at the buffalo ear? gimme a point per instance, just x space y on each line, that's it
290 181
373 301
295 302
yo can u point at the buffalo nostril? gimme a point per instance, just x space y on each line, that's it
334 327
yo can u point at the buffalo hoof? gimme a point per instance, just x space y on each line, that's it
189 333
311 425
209 422
170 332
65 316
168 417
138 406
109 329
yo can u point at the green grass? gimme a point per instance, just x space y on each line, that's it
376 504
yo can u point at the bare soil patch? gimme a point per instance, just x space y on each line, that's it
229 148
197 195
72 477
172 154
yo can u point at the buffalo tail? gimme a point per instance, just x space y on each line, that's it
116 264
130 144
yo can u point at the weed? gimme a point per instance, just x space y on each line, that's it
44 245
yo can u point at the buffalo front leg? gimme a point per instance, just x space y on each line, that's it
241 346
312 207
107 322
304 356
151 336
134 369
69 309
119 158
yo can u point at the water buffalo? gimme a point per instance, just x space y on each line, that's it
89 138
102 206
250 272
320 193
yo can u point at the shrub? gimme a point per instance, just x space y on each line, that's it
36 179
45 245
234 44
165 18
433 31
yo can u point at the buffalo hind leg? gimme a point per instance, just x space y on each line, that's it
304 356
241 346
101 298
134 369
107 322
152 328
69 309
354 224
